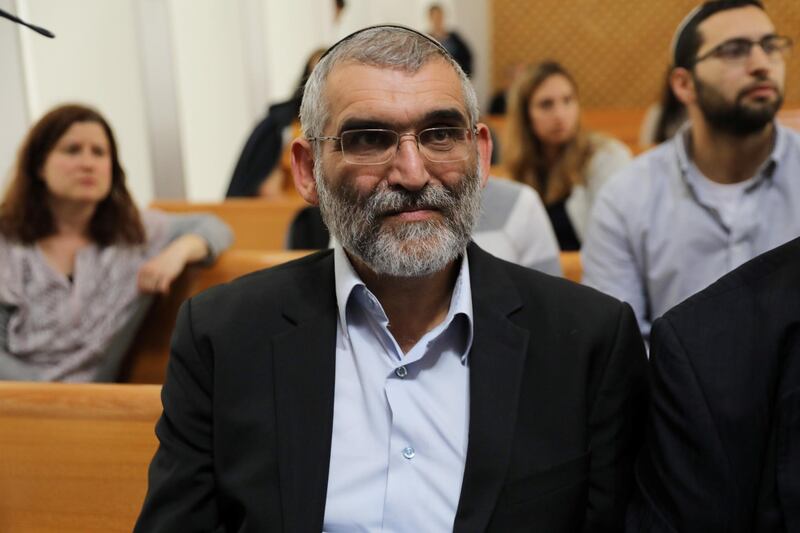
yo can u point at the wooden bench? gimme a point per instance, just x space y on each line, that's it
257 224
74 457
146 361
571 266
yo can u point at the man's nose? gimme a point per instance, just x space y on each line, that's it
759 60
409 170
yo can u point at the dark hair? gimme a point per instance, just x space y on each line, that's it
672 113
311 62
24 212
688 40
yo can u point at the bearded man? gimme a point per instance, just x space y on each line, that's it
726 187
405 380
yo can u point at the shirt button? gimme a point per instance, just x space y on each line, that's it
401 372
409 452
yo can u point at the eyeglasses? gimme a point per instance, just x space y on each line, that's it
378 146
738 50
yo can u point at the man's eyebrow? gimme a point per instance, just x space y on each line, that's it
437 116
356 123
450 116
745 38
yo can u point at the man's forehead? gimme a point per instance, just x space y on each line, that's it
390 94
748 21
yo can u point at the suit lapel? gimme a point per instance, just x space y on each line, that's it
496 366
304 367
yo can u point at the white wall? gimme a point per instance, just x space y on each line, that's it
294 29
228 60
94 60
13 107
471 17
211 82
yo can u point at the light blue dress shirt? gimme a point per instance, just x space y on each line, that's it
656 236
400 421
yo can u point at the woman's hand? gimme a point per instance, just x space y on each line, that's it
157 274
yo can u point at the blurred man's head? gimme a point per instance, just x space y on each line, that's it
729 66
436 18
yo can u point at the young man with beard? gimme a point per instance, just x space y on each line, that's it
406 380
725 188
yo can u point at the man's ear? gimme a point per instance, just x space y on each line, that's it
682 84
303 170
484 142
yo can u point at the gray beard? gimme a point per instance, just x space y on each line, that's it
407 250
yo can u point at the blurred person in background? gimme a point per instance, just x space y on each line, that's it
499 102
450 39
546 148
78 261
258 171
723 190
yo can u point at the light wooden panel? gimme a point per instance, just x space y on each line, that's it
257 224
618 50
571 265
146 361
73 458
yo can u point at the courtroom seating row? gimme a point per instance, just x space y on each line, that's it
146 362
74 457
258 224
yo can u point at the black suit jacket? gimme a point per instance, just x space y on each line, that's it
723 444
556 386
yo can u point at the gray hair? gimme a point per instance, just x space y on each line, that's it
384 47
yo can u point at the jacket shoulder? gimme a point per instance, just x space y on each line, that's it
770 277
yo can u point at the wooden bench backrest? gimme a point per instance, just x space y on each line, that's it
257 224
146 361
571 266
74 457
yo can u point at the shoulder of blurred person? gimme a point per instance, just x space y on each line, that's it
608 156
514 226
637 196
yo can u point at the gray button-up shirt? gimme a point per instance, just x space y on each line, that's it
655 238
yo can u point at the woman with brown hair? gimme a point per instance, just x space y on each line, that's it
545 147
78 261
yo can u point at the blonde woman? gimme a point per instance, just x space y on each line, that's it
545 147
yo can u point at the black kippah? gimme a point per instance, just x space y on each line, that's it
392 26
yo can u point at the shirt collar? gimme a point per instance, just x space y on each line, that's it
347 280
767 168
